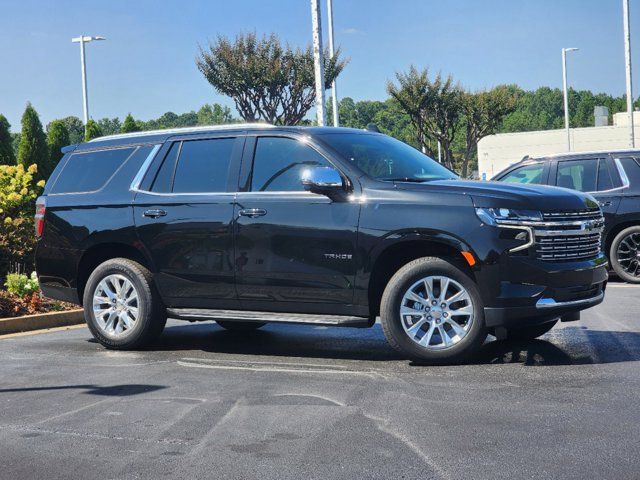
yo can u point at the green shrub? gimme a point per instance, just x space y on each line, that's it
21 285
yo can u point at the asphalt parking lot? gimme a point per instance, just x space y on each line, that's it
311 402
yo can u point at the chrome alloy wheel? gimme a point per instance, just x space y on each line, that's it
629 254
115 305
436 312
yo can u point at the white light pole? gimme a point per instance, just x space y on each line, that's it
566 93
82 40
318 63
334 92
627 57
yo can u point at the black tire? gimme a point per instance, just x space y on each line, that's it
531 332
392 322
152 315
234 326
631 237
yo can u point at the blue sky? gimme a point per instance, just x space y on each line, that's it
147 66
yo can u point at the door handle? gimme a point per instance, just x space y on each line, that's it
605 204
252 212
154 213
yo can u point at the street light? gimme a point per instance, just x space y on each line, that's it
627 58
334 93
82 40
566 93
318 61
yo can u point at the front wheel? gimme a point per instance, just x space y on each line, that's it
432 311
625 254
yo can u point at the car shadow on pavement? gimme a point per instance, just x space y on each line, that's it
110 391
573 345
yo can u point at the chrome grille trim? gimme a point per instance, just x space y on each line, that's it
569 235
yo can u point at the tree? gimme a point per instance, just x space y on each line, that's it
483 114
266 80
6 143
109 126
33 147
432 105
214 114
129 125
92 131
57 137
75 127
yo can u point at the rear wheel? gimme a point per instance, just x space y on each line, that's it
121 305
432 311
531 332
240 326
625 254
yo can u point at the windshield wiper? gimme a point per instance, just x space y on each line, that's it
402 179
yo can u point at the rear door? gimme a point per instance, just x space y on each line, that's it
295 250
591 175
184 218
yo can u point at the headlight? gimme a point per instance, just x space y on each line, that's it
495 216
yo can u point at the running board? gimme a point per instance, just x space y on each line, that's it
272 317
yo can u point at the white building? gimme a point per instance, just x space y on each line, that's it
496 152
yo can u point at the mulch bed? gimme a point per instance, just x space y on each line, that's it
15 306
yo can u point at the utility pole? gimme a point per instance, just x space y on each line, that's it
566 94
334 91
318 62
627 57
85 96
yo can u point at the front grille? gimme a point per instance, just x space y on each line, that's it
568 247
569 235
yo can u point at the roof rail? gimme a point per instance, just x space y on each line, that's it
172 131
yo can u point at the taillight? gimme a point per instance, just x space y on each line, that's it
41 208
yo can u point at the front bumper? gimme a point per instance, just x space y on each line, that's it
546 309
523 291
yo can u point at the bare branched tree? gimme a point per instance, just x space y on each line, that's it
267 80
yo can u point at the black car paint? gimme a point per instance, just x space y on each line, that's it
309 253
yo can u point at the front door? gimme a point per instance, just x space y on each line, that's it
295 250
184 222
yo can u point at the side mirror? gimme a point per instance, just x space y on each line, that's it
322 180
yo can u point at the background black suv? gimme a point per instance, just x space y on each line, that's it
613 178
249 224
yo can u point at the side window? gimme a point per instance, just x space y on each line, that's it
278 163
90 171
164 177
527 174
203 166
578 174
605 181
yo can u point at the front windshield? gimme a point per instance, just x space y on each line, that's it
385 158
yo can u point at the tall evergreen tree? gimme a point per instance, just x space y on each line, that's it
129 125
33 142
57 137
6 143
92 131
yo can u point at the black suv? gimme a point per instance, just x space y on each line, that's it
249 224
613 178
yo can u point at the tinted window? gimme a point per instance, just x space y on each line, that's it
386 158
162 183
604 177
578 175
279 162
87 172
203 166
527 174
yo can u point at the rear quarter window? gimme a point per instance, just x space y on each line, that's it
89 171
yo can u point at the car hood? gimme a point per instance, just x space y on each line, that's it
510 195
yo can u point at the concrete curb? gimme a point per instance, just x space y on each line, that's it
41 321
